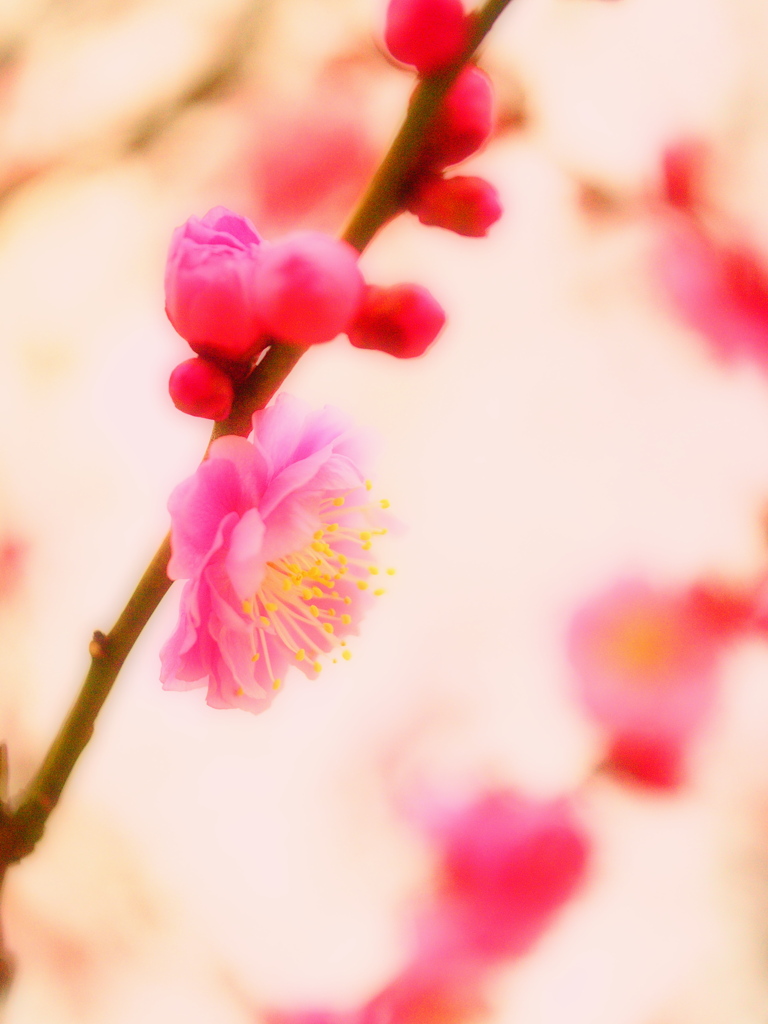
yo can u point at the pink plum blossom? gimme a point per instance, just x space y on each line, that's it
429 34
209 293
719 287
273 537
645 667
200 388
309 287
506 866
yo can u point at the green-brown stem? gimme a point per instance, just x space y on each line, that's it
23 820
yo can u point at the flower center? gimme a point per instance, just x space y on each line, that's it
310 599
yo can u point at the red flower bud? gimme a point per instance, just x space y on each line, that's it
429 34
308 287
464 122
403 320
466 205
200 388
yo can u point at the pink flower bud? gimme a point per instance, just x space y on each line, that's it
508 865
429 34
209 295
403 320
200 388
657 762
464 123
466 205
309 287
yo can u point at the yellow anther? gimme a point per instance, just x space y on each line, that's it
346 655
368 485
391 572
239 691
276 684
330 611
318 535
287 585
347 600
301 654
317 545
365 535
346 619
331 527
367 546
247 607
270 606
335 594
255 657
373 570
317 591
264 620
379 592
342 559
343 643
338 502
362 585
317 667
327 627
314 610
384 503
306 593
342 571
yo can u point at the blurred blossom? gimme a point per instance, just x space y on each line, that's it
645 667
13 554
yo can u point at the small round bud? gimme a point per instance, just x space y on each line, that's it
200 388
209 296
464 123
309 288
429 34
403 320
466 205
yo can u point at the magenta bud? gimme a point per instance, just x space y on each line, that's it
309 287
466 205
209 295
200 388
464 122
429 34
403 320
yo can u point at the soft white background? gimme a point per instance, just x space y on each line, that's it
565 430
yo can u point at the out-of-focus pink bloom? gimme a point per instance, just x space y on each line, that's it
429 34
441 992
720 289
402 320
309 287
13 554
200 388
209 293
645 664
273 536
464 204
463 124
507 866
311 164
682 165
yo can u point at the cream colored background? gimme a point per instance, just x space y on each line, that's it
565 430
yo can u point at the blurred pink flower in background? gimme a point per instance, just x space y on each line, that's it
645 665
711 272
273 536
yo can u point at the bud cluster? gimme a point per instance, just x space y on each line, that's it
431 35
229 293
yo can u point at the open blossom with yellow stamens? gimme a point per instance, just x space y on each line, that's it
275 536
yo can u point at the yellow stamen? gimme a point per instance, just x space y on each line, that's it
255 657
317 667
264 620
327 627
346 619
318 535
379 592
346 655
338 502
373 570
347 600
301 654
384 503
314 610
368 485
247 607
365 535
276 684
362 585
391 572
239 691
270 606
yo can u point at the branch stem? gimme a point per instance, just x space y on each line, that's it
22 821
